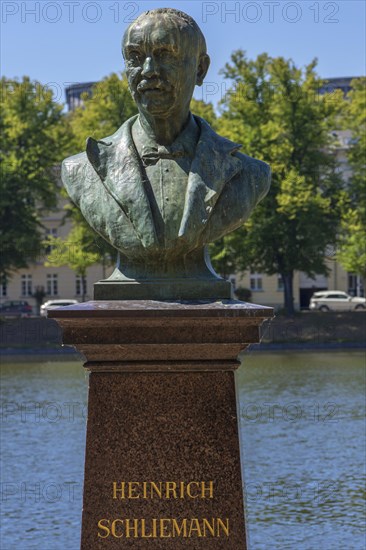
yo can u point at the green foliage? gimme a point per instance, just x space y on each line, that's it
224 253
33 141
73 251
275 110
355 121
244 294
90 239
76 252
103 112
204 110
352 253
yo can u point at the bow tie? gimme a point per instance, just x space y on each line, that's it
151 155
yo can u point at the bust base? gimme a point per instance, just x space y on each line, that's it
164 289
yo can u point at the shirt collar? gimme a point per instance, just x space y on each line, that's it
187 139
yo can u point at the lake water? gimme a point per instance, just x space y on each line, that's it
303 441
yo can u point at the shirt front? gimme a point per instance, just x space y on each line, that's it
165 179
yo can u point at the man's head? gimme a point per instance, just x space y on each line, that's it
165 56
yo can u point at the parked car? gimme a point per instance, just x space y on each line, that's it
52 304
15 309
336 300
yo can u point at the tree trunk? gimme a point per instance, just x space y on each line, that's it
287 279
38 306
358 286
83 286
103 266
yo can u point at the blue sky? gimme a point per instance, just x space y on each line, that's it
61 42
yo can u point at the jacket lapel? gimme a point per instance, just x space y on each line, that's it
118 167
213 166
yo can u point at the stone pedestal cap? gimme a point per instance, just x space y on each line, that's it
147 334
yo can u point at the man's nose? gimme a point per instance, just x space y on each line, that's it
149 68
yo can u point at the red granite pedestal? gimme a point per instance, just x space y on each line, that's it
162 466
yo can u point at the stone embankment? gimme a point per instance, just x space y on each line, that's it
305 331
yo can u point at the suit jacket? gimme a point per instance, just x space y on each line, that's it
106 183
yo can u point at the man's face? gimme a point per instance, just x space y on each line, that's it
161 65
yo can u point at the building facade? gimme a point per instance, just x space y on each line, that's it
268 289
56 282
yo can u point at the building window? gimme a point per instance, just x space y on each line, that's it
4 289
50 232
355 285
52 284
256 281
79 285
280 285
26 285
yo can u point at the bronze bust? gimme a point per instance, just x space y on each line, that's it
165 184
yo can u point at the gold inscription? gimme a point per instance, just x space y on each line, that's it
162 489
163 528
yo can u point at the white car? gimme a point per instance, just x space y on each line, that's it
52 304
336 300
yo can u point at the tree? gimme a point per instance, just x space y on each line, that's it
275 110
32 142
74 253
224 253
352 250
108 106
204 110
103 111
39 295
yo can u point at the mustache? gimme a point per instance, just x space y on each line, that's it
153 85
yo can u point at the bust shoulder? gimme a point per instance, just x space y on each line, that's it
73 172
251 173
256 171
254 164
78 170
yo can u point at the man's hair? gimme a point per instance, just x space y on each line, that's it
185 21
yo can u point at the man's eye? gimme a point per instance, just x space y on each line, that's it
164 52
134 55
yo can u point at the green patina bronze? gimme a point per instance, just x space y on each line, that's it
165 184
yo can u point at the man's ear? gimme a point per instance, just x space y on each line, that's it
203 65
